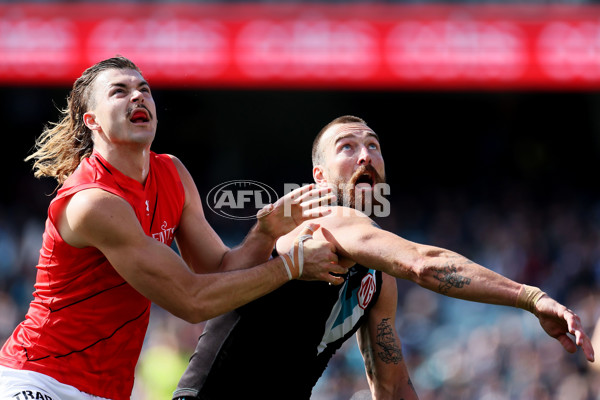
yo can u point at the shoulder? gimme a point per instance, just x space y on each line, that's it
176 161
183 172
91 213
94 205
94 197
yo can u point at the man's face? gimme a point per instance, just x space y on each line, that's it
122 107
352 162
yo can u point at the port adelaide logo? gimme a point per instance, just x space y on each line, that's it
240 199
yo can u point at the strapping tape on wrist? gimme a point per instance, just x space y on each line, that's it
528 297
294 259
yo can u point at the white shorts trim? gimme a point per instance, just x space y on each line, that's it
18 384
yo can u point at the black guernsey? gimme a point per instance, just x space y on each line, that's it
278 346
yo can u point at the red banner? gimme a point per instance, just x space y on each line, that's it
308 46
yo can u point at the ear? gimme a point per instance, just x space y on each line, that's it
319 175
89 119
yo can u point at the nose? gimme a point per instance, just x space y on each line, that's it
364 157
137 96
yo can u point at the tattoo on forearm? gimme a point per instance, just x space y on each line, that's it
390 352
449 278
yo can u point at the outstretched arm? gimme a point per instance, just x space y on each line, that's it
275 220
446 272
203 250
381 349
102 220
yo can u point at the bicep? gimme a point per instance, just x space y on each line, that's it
361 240
378 336
107 222
380 345
102 220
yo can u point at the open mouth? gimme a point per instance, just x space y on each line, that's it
139 116
364 180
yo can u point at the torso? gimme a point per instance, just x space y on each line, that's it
77 329
279 345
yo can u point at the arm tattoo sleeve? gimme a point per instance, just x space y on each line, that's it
449 278
390 352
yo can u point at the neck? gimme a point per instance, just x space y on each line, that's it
134 163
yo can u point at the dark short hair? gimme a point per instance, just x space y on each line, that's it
345 119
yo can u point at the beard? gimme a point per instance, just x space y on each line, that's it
349 195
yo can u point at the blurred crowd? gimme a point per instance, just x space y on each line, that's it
454 349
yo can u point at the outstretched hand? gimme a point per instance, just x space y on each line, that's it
558 322
294 208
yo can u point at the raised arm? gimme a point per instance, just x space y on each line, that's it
380 346
102 220
204 251
446 272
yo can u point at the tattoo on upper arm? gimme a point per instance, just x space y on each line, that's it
390 352
449 278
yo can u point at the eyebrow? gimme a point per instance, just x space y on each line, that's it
347 135
123 85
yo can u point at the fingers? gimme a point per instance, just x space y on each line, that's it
312 198
294 195
337 269
312 194
325 199
315 203
335 280
309 229
334 273
266 210
581 339
324 265
322 250
588 350
316 213
567 343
